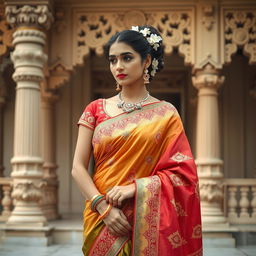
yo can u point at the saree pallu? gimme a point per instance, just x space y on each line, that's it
148 147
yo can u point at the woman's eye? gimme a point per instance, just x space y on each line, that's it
112 61
127 58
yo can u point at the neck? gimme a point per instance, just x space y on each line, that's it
133 93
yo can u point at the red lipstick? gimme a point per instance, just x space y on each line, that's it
121 76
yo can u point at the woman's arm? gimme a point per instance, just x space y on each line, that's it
81 161
116 221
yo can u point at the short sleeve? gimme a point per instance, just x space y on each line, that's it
87 119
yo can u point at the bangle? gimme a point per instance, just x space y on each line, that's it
96 203
105 214
94 200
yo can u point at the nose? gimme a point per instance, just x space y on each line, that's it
119 65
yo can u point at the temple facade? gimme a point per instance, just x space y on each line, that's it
52 65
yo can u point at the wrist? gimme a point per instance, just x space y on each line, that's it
102 206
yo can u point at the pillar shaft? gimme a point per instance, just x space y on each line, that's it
209 163
49 203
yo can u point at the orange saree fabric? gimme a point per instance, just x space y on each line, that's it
148 147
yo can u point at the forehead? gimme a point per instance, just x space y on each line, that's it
118 48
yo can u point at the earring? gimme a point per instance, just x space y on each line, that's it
146 76
118 87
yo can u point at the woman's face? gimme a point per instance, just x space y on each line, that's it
126 64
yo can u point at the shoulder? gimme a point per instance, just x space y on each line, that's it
93 106
169 105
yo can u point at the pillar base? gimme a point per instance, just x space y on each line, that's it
28 236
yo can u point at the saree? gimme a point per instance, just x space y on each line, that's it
148 147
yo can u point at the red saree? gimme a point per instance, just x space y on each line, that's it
148 147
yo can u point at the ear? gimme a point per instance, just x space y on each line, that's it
148 61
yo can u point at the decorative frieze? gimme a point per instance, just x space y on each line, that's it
239 32
93 30
32 15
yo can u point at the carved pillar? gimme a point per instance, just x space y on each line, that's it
207 80
50 200
28 58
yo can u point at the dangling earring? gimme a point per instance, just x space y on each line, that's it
118 87
146 76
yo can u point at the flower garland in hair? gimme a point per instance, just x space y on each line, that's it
153 40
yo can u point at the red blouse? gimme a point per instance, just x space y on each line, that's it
93 114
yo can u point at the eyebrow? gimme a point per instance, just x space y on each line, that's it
121 54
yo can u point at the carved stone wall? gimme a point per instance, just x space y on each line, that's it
93 30
240 33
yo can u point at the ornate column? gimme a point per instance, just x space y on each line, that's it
49 202
207 80
28 58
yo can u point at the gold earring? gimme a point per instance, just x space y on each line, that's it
146 76
118 87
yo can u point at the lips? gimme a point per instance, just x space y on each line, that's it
121 76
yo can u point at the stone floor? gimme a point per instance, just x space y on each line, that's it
75 250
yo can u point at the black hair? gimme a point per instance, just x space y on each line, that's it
140 44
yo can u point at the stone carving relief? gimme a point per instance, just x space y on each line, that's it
27 191
56 75
5 34
211 191
208 16
39 15
93 30
240 32
208 77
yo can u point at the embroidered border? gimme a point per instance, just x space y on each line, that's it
107 127
147 216
107 244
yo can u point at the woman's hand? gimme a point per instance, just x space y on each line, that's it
118 194
116 221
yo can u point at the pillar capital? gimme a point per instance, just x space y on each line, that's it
38 14
207 77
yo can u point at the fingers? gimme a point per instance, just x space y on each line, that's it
125 222
115 196
117 223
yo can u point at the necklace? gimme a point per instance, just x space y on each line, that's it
129 107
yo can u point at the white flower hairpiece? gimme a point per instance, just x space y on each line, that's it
154 67
153 39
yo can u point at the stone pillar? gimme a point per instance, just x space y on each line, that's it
207 80
50 202
28 58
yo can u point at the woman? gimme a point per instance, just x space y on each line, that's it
143 198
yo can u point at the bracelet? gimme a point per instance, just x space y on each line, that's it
94 200
96 203
105 214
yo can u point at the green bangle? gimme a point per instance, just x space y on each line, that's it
95 201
